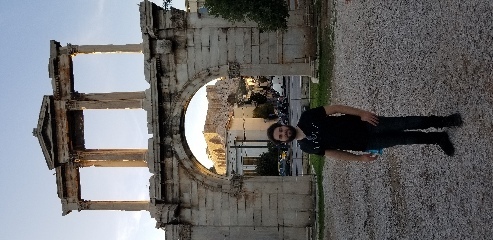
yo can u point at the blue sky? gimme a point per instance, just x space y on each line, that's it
30 206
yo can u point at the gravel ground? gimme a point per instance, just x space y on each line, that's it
415 58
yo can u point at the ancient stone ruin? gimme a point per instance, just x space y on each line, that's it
182 52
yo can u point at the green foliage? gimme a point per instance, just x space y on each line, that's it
232 99
263 79
271 15
320 95
259 98
267 164
167 4
263 110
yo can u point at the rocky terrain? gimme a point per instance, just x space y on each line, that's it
218 114
415 58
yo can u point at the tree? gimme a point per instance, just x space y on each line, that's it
167 4
263 79
259 98
267 164
232 99
263 111
271 15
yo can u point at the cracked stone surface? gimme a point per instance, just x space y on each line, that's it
415 58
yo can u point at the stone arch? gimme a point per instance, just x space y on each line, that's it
182 52
180 107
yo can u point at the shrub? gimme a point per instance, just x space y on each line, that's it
270 15
263 111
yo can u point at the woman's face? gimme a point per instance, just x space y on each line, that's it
285 133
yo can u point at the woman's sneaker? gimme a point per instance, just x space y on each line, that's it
453 120
445 144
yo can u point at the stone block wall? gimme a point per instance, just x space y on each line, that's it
205 41
266 208
182 52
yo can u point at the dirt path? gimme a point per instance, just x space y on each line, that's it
417 58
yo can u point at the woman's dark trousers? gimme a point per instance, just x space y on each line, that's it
392 131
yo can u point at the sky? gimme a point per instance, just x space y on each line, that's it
30 206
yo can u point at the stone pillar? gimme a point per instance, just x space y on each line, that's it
112 100
90 49
107 104
114 205
109 96
111 158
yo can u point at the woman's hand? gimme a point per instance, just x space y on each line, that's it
363 114
369 117
367 157
347 156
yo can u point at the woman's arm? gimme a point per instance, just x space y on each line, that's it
364 115
347 156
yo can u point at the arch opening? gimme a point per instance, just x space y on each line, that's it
196 130
237 115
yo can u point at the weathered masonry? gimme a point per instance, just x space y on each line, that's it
182 52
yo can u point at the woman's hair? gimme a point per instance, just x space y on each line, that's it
270 132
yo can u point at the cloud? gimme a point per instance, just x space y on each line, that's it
138 225
94 24
3 19
101 4
128 226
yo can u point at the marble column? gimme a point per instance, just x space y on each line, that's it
110 48
111 158
107 104
109 96
114 205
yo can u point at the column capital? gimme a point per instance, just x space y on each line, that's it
75 156
84 205
72 49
